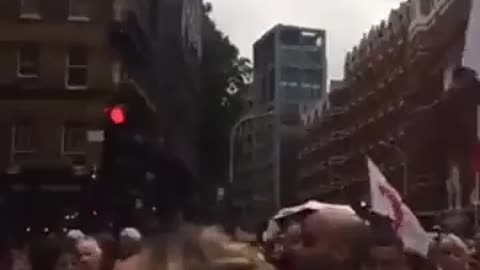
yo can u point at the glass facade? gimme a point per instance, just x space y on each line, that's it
301 84
293 56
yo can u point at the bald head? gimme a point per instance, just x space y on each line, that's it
452 253
332 237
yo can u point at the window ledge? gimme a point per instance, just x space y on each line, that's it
74 153
30 16
27 76
76 88
78 19
19 152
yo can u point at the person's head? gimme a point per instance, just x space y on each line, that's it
90 254
75 235
452 253
331 238
66 256
130 242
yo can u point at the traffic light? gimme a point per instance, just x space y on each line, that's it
116 114
127 141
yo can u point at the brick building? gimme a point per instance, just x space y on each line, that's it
405 104
55 77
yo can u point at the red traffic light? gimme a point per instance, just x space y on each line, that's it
117 115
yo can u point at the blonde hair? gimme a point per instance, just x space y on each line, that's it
202 248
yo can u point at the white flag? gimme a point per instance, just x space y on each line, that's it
385 200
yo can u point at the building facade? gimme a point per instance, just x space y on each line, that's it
56 74
290 70
160 44
406 104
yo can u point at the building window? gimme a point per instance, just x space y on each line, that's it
74 142
426 7
79 10
29 9
77 69
290 36
311 39
74 138
22 141
28 61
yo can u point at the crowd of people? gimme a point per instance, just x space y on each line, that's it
330 239
71 251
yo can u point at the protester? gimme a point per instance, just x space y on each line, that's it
20 259
75 235
130 242
333 238
109 247
450 252
66 255
90 254
193 248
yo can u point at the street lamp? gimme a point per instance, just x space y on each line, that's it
403 155
233 134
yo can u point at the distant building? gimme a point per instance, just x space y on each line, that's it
56 75
290 70
314 114
336 85
397 107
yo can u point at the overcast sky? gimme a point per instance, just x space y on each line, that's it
345 21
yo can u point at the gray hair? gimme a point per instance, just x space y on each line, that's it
76 235
131 233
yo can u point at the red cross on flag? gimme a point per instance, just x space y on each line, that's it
386 201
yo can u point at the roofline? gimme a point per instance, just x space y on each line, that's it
279 26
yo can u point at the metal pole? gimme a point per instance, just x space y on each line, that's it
230 152
233 134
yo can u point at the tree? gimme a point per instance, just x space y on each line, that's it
221 69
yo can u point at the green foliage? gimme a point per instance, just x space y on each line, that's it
221 69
